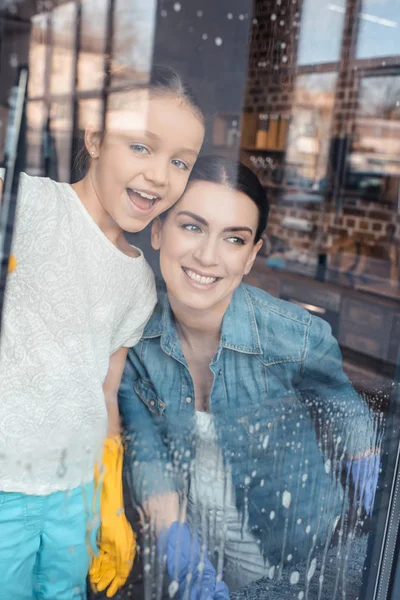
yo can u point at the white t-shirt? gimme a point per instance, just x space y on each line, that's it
72 301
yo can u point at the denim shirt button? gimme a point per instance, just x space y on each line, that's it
152 403
188 400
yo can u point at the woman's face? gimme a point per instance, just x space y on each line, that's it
206 245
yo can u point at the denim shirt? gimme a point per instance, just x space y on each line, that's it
286 416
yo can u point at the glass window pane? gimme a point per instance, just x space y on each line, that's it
58 148
376 148
92 45
133 40
35 137
310 131
63 48
38 55
378 33
320 43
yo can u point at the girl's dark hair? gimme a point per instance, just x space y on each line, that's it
164 80
233 174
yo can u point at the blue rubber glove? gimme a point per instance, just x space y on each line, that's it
190 570
365 475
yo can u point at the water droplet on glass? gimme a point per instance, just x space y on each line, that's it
290 557
312 569
285 59
305 477
177 6
199 13
271 572
299 521
301 595
273 17
163 13
281 23
308 528
218 41
272 515
173 588
286 499
295 577
230 16
204 36
241 17
266 439
13 60
328 466
247 480
255 21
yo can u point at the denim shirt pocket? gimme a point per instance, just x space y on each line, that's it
147 393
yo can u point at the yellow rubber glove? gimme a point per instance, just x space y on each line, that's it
117 542
12 263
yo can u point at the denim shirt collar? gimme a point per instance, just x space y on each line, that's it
239 327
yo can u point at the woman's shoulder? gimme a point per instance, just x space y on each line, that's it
268 306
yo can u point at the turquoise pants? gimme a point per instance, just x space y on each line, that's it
44 544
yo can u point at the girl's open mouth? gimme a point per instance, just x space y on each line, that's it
143 201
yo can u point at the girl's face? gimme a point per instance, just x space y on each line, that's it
206 245
142 164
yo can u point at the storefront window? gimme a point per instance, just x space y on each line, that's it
35 137
58 141
379 24
91 60
38 55
320 44
133 41
63 49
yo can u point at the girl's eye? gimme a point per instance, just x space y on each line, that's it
234 239
191 227
180 164
139 149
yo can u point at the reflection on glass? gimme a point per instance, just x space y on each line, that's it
90 111
63 48
320 43
379 24
133 41
376 149
310 129
35 137
37 56
58 142
92 45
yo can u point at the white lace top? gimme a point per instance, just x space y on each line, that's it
72 301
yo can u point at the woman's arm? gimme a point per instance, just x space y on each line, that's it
110 388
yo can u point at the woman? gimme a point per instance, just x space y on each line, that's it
236 401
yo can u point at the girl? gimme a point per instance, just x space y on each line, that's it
79 297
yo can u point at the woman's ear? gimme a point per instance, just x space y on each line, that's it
156 231
250 261
92 141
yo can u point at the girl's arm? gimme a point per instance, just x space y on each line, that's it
110 388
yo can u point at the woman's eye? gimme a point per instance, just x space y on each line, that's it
236 240
191 227
180 164
139 149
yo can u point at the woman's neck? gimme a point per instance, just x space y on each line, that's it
198 328
88 196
